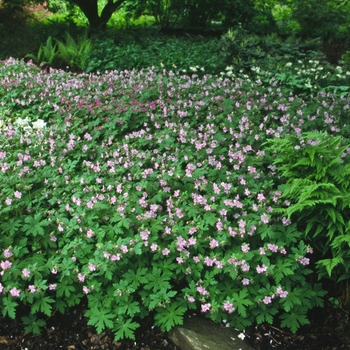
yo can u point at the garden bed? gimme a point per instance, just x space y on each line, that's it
152 193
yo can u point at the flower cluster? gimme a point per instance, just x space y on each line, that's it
147 191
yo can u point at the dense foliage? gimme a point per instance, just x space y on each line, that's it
154 183
153 193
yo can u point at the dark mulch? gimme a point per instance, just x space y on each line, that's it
329 330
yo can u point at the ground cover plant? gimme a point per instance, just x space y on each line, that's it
155 193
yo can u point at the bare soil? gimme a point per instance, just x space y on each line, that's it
328 330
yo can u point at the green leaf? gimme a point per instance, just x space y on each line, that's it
292 299
294 320
65 288
9 307
60 306
169 317
11 225
210 218
158 280
125 329
100 318
33 324
124 222
128 307
281 269
240 301
160 298
34 225
136 278
43 305
266 315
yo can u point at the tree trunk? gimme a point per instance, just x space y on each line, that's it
90 10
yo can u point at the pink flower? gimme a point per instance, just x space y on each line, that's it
191 299
208 261
8 201
304 261
228 306
165 251
261 197
1 288
7 253
92 267
262 251
261 269
264 218
202 290
52 286
86 290
15 292
245 281
179 260
81 277
267 300
205 307
18 194
179 213
281 293
272 247
5 264
115 257
213 243
154 247
245 267
32 289
245 248
25 273
124 249
196 259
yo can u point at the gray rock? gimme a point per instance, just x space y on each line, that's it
202 334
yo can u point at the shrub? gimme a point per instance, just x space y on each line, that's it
160 52
321 18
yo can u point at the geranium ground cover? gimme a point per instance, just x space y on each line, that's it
151 194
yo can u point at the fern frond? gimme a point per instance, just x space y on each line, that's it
340 240
329 264
294 188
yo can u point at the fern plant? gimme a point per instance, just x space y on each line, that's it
74 54
47 54
316 180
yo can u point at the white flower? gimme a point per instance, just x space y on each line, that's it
339 69
39 124
22 122
289 64
241 336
